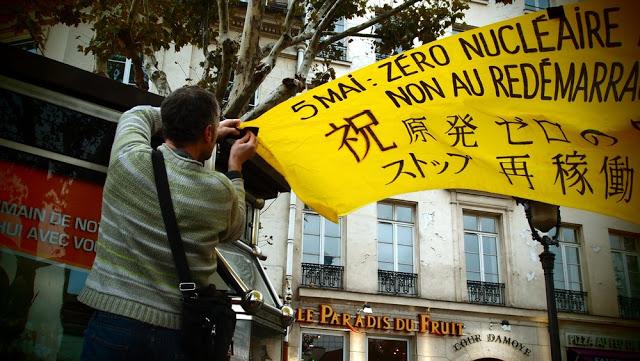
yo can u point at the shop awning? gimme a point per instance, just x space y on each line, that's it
590 354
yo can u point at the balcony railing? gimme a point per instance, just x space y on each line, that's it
322 276
629 308
487 293
571 301
335 51
397 283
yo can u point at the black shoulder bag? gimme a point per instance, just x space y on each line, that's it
208 321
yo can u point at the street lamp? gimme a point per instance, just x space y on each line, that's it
542 218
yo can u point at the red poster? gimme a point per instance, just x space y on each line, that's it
48 215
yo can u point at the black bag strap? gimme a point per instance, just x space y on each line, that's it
170 223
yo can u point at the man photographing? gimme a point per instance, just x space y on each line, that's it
133 282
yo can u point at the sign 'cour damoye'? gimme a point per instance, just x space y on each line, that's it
545 106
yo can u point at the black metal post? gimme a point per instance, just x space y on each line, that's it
547 258
539 219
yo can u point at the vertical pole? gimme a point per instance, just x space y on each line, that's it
547 258
285 346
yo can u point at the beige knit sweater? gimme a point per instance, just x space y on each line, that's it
133 274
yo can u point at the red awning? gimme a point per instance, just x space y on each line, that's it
590 354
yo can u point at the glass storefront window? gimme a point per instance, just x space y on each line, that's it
41 318
322 347
50 197
49 214
51 127
383 349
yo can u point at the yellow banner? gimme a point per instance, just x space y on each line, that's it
544 106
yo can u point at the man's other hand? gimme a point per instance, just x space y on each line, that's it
228 127
242 150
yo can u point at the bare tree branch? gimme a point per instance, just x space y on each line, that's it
285 37
208 61
228 49
311 27
366 24
289 86
287 89
205 35
134 3
328 16
303 36
269 62
358 35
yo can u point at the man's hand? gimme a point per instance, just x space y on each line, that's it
228 127
242 150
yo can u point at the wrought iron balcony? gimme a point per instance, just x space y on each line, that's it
397 283
335 51
629 307
322 276
571 301
487 293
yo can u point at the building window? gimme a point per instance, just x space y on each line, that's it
396 223
338 49
320 346
535 5
321 239
567 272
624 250
481 248
120 68
387 349
481 259
395 237
321 251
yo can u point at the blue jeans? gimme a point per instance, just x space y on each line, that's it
111 337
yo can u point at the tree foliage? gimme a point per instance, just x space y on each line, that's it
138 29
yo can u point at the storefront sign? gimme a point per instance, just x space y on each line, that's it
424 324
502 339
48 215
602 342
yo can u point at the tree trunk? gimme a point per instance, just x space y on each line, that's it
101 66
247 60
228 50
138 73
